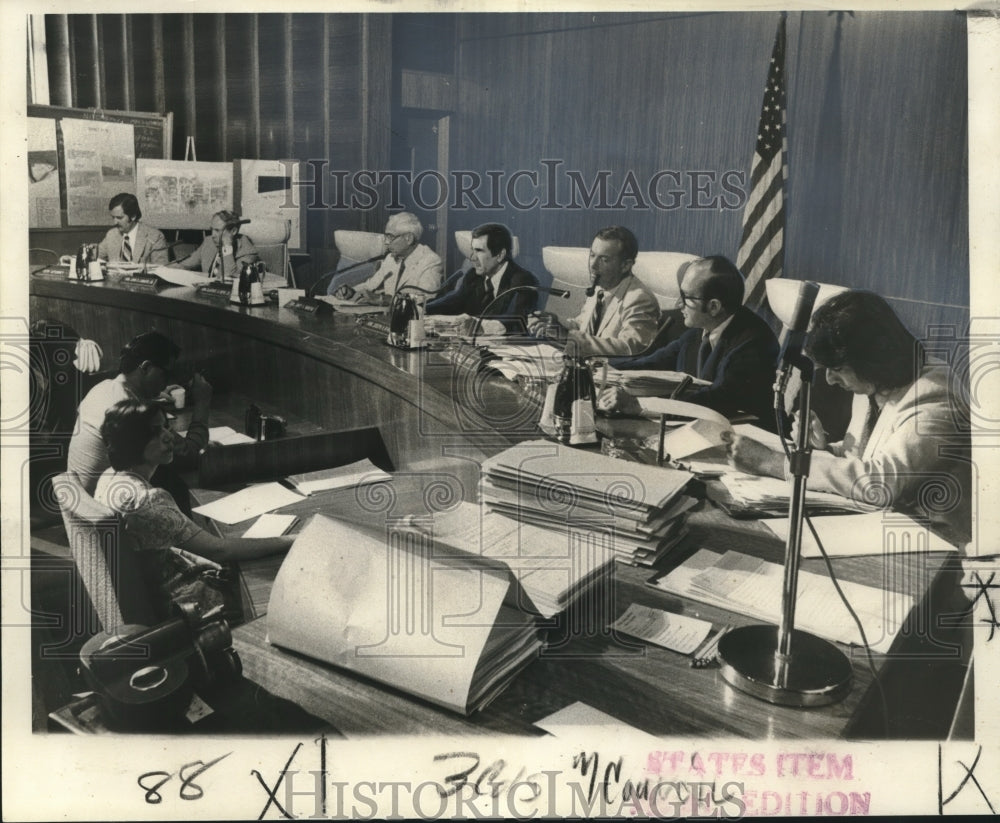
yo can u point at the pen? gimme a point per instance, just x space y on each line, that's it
705 654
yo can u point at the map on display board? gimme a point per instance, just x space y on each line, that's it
269 189
43 174
178 194
100 163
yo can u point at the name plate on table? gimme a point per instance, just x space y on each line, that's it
215 289
141 282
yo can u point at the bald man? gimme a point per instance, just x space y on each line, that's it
726 343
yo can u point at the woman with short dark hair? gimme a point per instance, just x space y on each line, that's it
172 549
907 445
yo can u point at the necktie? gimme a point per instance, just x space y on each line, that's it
597 315
399 275
704 353
874 410
126 250
488 294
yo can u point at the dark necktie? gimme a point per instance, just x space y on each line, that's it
399 274
874 410
126 250
488 294
597 315
704 353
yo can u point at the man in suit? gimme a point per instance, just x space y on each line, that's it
407 263
725 344
477 292
131 241
224 251
620 317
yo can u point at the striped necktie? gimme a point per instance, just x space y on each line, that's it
126 250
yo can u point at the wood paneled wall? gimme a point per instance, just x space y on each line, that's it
270 86
877 187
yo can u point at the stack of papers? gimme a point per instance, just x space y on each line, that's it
650 382
346 598
361 473
637 511
752 587
529 361
771 497
552 569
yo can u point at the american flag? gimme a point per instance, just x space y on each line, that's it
762 253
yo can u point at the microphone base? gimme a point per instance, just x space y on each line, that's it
817 673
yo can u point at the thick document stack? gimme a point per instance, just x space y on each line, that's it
550 569
751 495
753 587
650 382
638 510
393 609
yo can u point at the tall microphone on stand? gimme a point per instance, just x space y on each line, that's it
785 665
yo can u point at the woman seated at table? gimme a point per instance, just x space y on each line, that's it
904 448
172 550
224 251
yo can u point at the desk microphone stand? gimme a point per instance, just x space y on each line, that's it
784 665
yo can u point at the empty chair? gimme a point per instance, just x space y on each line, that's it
270 237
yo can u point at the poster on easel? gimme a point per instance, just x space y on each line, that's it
100 163
180 194
269 189
43 174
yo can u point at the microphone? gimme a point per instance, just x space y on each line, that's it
504 295
794 334
308 303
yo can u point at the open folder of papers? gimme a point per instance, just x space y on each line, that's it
396 612
639 509
361 473
650 382
550 569
749 586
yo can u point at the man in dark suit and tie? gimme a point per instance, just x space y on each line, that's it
131 241
726 343
494 274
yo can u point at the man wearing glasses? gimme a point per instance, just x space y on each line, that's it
407 263
726 344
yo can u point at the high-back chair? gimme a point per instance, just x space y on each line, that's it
270 237
108 568
355 247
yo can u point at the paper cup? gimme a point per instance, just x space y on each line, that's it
180 397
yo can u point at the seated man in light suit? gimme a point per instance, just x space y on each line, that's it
476 292
906 447
406 263
221 254
131 241
726 344
621 316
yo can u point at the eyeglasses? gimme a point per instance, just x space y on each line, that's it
690 300
390 237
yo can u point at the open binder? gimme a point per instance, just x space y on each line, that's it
393 609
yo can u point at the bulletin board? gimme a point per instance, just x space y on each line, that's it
104 146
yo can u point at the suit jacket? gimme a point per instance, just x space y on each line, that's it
150 246
469 297
204 256
740 368
628 323
917 459
422 269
